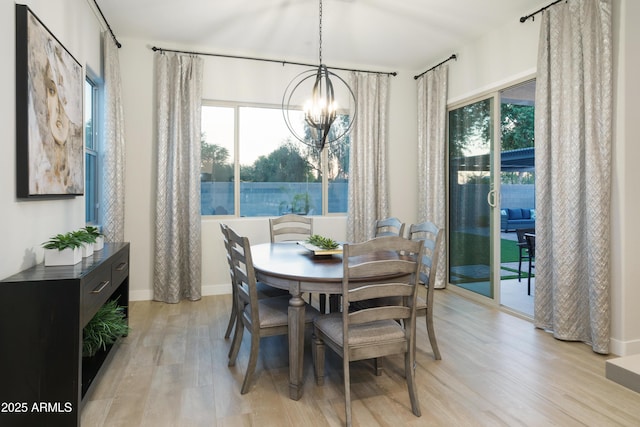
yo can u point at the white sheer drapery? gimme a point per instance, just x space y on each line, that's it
113 147
432 146
177 272
368 186
573 172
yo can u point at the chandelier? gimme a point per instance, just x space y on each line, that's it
326 102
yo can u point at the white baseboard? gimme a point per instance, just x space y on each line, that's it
147 294
222 289
144 295
624 348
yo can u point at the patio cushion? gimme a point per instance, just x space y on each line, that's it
515 213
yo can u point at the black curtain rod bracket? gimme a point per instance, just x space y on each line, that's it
108 26
532 15
277 61
453 56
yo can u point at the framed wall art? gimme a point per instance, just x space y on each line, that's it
49 119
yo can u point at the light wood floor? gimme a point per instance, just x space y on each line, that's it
496 370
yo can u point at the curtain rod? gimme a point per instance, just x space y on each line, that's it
160 49
532 15
108 26
453 56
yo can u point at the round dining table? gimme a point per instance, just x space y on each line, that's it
290 266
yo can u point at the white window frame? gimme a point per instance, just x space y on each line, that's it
236 167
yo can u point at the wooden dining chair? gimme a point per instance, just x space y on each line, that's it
234 314
388 227
262 317
430 235
379 330
264 290
292 227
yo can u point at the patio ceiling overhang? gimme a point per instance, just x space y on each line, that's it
518 160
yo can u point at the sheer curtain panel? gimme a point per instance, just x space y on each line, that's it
113 147
177 272
573 131
368 187
432 145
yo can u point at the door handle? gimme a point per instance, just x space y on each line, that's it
491 198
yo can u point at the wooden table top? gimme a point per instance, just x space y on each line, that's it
291 261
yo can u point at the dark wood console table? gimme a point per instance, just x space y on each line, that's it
43 376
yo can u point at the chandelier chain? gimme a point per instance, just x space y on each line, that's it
320 31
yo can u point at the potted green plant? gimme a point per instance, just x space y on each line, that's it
108 324
99 237
62 249
87 240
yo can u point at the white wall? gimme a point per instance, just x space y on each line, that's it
497 59
228 79
26 224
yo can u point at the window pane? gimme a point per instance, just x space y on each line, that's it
250 151
470 174
217 161
88 115
338 169
91 194
90 188
278 173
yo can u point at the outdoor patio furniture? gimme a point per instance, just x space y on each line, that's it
523 248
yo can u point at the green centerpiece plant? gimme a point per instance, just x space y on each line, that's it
323 242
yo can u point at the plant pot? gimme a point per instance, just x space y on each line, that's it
67 256
87 250
99 244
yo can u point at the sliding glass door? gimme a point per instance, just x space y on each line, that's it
471 195
517 195
492 194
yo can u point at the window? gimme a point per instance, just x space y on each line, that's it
251 165
91 143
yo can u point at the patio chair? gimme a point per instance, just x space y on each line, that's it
523 248
531 247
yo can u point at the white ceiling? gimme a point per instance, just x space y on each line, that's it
383 35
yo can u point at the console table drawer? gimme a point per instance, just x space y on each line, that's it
120 268
95 292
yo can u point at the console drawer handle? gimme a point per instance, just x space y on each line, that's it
100 287
122 266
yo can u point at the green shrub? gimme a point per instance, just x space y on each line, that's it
104 329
